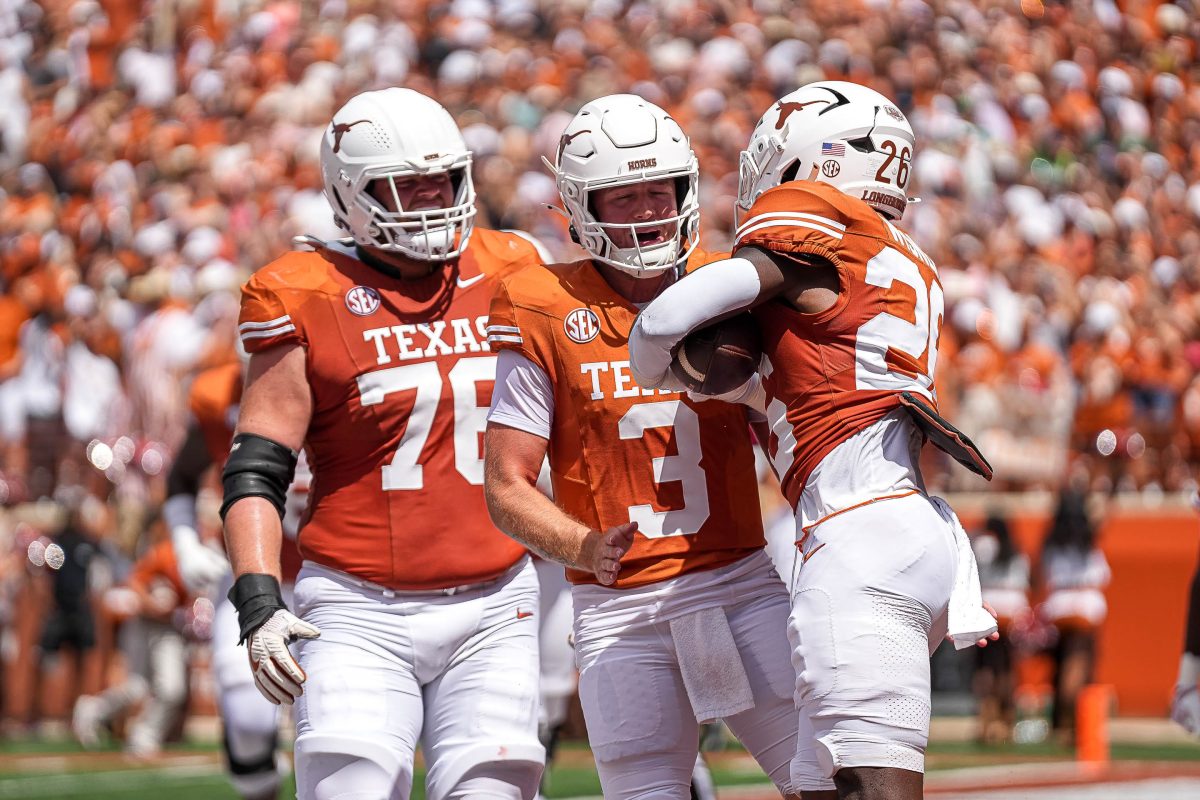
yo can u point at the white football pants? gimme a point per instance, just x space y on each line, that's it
457 673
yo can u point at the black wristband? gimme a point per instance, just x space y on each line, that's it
256 597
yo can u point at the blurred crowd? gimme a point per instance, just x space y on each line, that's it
153 154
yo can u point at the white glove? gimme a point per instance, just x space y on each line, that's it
750 393
200 566
1185 708
276 673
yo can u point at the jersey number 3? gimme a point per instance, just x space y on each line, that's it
406 471
684 467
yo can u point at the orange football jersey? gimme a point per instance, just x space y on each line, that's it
401 379
213 400
159 564
683 471
832 374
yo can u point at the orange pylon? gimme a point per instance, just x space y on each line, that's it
1091 723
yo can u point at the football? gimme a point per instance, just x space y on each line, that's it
720 357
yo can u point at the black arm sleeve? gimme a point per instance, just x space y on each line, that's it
257 467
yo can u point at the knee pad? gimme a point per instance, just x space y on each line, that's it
511 781
519 765
335 768
853 742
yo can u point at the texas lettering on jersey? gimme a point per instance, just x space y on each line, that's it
401 377
683 471
832 374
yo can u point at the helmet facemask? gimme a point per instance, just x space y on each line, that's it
641 260
431 234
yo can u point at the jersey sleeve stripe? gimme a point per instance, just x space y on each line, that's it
499 337
792 215
270 323
503 329
264 334
790 224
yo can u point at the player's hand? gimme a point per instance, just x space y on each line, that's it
602 551
200 567
276 673
993 637
749 393
1185 708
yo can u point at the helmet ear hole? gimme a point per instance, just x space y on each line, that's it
341 204
682 183
791 172
862 144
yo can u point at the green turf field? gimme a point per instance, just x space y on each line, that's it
62 770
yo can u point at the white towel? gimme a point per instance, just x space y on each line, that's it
713 672
968 620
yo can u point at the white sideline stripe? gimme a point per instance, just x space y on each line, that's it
254 326
503 329
831 234
496 337
793 215
272 332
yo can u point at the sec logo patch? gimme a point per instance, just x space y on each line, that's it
362 300
582 325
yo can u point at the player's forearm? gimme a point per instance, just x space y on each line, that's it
707 295
253 537
531 518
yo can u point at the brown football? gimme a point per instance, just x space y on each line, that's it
720 357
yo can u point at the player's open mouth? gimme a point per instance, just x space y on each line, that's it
650 237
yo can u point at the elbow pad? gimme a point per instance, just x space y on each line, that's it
257 467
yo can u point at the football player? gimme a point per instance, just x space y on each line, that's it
417 616
680 617
1185 704
250 723
850 310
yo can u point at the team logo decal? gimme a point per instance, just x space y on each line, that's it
894 113
340 129
362 300
582 325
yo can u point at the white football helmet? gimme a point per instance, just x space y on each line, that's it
836 132
388 134
618 140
